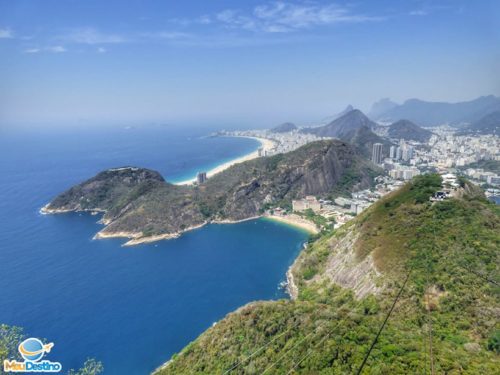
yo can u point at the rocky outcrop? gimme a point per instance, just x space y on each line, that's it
345 269
342 267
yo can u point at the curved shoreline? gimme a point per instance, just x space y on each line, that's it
136 238
266 144
295 221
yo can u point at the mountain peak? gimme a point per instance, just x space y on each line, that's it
353 127
381 106
284 128
405 129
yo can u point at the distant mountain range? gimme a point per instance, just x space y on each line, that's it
381 107
426 113
489 124
407 130
353 127
284 128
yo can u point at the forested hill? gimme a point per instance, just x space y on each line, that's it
138 203
437 264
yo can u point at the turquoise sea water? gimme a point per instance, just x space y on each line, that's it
130 307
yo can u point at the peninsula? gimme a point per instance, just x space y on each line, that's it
140 205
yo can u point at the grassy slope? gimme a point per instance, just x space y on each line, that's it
445 246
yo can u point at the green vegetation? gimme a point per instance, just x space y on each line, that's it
11 337
320 221
349 179
138 200
448 251
90 367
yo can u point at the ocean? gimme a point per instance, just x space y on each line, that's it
129 307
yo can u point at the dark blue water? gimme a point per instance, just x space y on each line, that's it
130 307
495 198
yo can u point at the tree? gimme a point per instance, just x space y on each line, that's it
90 367
10 337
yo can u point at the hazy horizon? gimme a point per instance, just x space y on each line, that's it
252 63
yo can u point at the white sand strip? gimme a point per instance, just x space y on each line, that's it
266 144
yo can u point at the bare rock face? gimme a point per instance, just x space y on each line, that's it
472 347
343 267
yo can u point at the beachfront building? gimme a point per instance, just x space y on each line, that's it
309 202
201 177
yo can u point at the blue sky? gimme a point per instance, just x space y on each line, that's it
237 62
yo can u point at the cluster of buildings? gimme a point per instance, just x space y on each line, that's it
449 150
402 152
399 172
309 202
343 209
482 176
443 153
283 142
396 164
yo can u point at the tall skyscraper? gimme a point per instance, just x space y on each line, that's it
377 153
407 153
392 152
399 153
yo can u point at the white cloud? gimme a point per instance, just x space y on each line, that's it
53 49
102 50
90 35
205 19
285 17
166 35
56 49
32 50
6 33
418 13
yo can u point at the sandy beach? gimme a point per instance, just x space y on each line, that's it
266 144
296 221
